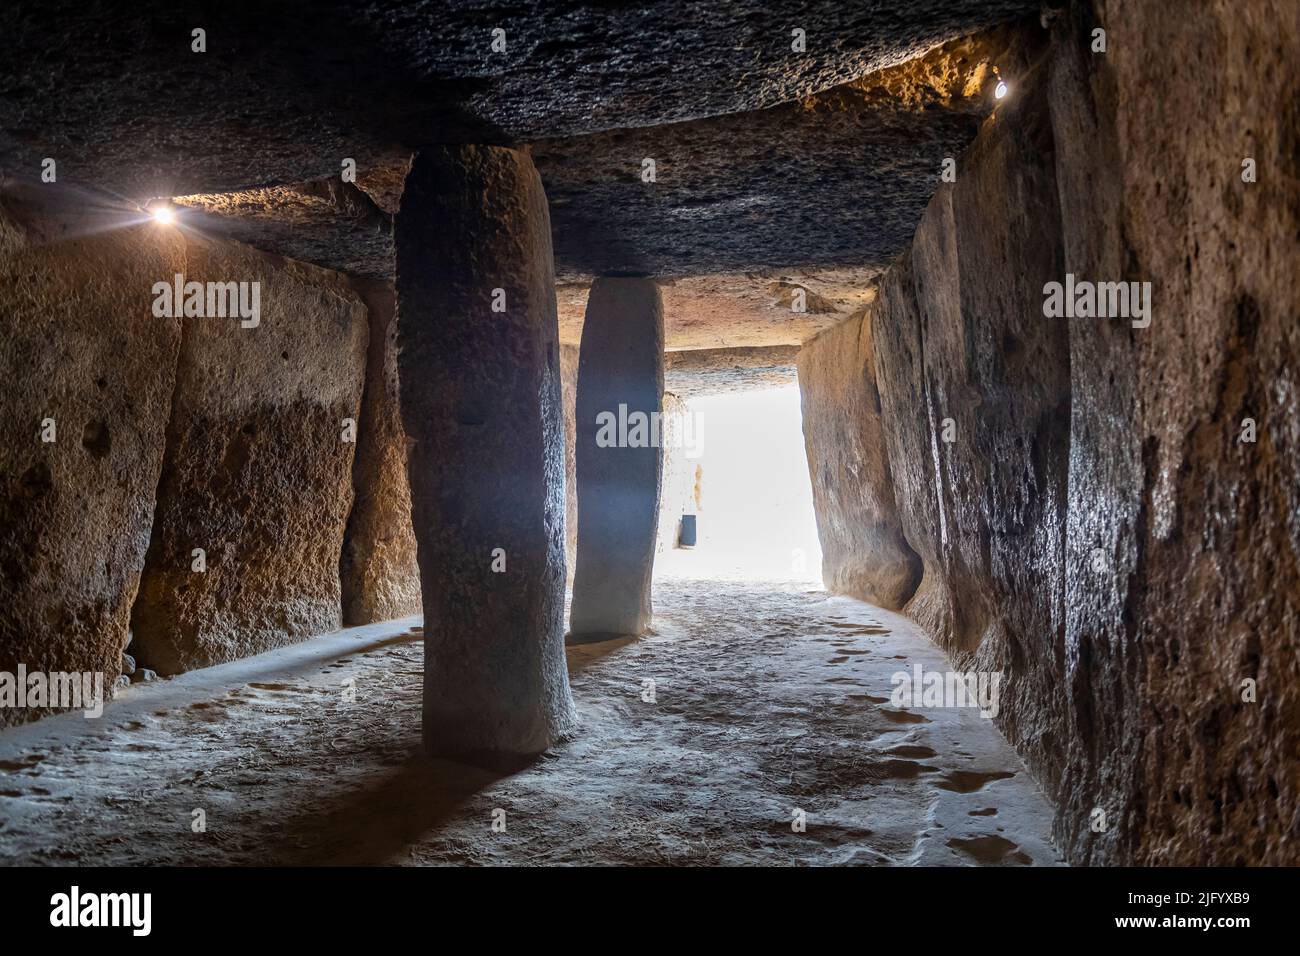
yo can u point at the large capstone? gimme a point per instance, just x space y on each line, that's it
479 372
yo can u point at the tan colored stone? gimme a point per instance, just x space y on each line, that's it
569 395
80 346
257 473
678 492
863 550
1184 542
378 571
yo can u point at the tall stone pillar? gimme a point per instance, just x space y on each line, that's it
479 376
619 461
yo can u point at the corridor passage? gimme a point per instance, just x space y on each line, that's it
767 699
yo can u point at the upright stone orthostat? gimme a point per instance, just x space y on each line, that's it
479 376
619 462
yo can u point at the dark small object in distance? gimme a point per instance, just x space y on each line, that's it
686 536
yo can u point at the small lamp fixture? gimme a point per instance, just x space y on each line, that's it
1000 90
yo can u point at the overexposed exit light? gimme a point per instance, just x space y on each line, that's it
163 215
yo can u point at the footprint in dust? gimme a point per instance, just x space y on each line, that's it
854 651
911 750
897 770
904 717
985 812
968 781
27 763
993 850
837 660
868 698
845 680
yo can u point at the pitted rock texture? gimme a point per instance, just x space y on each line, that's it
864 553
1196 532
568 397
1097 528
740 310
749 211
698 372
378 572
257 473
834 179
82 348
481 406
124 102
619 469
300 222
995 381
677 494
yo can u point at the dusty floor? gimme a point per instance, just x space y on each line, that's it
768 698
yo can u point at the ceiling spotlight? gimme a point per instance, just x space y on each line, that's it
1000 90
163 215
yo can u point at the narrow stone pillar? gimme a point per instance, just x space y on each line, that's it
619 461
479 373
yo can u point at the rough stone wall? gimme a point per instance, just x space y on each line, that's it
256 472
1183 578
996 378
568 398
864 552
378 571
79 345
677 492
1087 518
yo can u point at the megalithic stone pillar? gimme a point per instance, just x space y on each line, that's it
619 461
479 375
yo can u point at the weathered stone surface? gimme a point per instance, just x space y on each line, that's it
620 378
1003 376
378 571
257 472
677 495
863 550
1183 539
697 372
481 405
1097 529
80 346
569 397
744 207
124 103
837 179
975 397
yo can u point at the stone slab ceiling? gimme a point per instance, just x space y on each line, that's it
775 170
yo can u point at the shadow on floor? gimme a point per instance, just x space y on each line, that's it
374 825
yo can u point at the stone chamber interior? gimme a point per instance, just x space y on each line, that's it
594 434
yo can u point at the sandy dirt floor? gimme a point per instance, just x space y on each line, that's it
768 698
